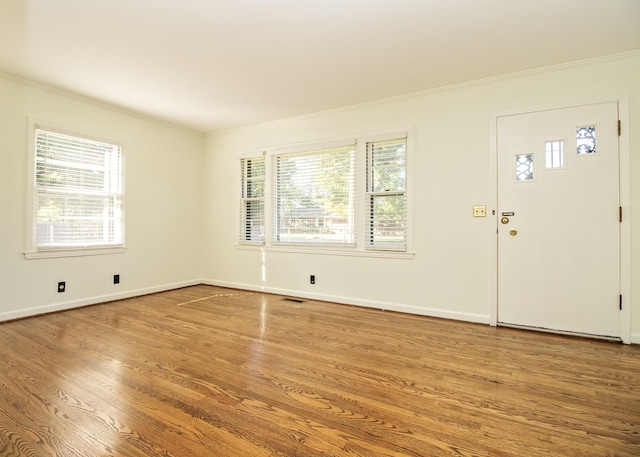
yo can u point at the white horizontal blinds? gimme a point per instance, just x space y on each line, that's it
387 194
252 201
314 196
78 194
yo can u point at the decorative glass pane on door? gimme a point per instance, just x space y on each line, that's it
554 154
586 140
524 167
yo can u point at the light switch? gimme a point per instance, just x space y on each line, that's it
480 211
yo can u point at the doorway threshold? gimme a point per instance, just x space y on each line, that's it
613 339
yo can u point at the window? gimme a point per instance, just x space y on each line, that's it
77 193
524 167
554 154
252 201
586 140
314 197
347 196
386 194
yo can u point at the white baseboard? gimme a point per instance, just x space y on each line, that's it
54 307
387 306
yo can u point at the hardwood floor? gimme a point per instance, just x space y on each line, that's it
207 371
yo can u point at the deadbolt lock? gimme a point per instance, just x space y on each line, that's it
513 232
504 220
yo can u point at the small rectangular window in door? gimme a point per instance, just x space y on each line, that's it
554 154
524 167
586 140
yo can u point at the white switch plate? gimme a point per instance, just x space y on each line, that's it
480 211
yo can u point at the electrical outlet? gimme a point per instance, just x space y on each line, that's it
116 279
62 286
480 211
312 279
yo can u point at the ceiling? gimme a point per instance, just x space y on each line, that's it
210 65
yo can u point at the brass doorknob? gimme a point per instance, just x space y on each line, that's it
513 232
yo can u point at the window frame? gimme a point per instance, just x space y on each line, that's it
244 199
314 152
359 249
32 249
372 194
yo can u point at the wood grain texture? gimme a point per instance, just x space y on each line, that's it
207 371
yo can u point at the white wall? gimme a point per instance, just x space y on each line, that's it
450 275
182 198
163 206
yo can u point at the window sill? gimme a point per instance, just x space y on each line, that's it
328 251
73 252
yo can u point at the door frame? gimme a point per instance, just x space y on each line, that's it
625 202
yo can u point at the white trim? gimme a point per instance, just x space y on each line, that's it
409 135
386 136
255 154
328 250
99 299
74 252
31 250
625 226
269 180
562 332
561 105
493 202
35 123
625 202
385 306
363 231
359 141
312 146
635 338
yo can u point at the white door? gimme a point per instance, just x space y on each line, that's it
558 220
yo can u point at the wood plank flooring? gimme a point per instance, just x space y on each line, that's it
207 371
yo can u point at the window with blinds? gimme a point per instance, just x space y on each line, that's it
252 201
78 192
386 194
314 197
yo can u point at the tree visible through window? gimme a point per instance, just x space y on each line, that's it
328 196
77 192
252 200
315 197
387 194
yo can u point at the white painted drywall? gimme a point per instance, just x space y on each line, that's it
450 273
182 198
163 206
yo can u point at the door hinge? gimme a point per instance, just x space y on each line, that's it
620 214
619 127
620 302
